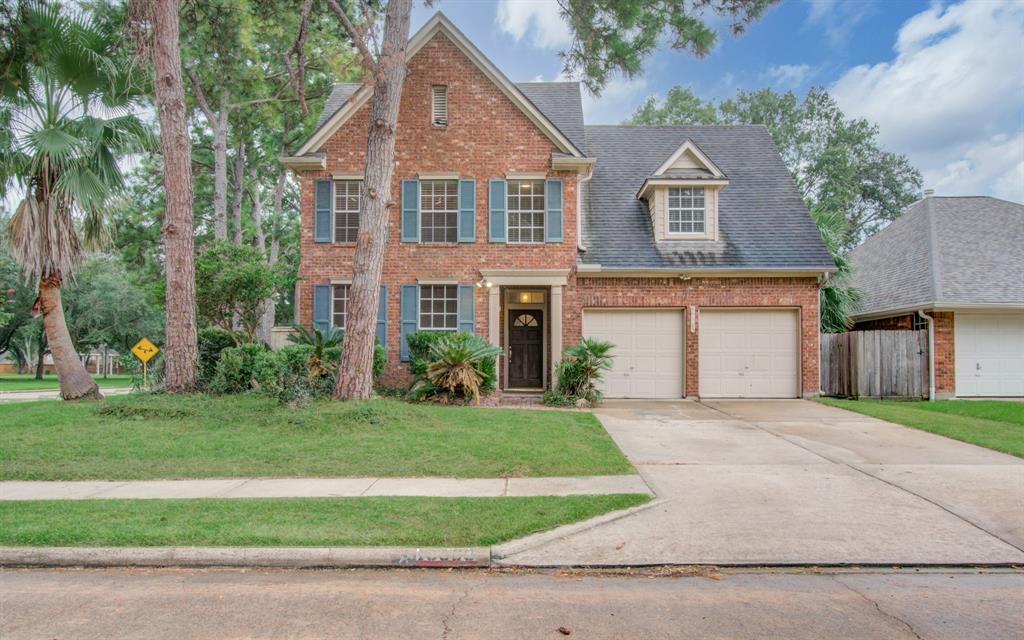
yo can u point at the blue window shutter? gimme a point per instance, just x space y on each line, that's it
382 316
410 210
467 210
553 215
322 306
410 304
496 228
324 214
467 308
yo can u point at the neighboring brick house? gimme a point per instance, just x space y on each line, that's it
954 266
694 252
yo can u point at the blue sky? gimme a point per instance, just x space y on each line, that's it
944 81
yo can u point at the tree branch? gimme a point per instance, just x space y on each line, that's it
201 98
353 33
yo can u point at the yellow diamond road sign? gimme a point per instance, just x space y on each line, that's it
144 350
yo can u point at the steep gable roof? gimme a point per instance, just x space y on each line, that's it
944 252
763 222
440 24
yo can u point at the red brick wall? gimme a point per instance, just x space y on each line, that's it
945 363
895 323
801 293
487 136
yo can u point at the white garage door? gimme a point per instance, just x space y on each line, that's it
648 351
749 354
989 355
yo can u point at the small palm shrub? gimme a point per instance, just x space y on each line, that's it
582 367
319 341
461 365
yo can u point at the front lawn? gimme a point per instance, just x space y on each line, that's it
295 522
994 424
150 436
28 382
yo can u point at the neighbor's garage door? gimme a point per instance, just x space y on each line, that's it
749 354
989 355
648 351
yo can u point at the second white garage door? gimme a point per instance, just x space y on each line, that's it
648 351
749 353
989 355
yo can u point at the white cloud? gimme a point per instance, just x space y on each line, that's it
538 18
789 75
838 17
952 96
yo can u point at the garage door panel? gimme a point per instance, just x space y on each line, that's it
989 355
648 353
749 353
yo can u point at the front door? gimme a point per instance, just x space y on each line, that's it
525 349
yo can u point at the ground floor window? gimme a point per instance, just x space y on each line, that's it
917 323
339 305
439 307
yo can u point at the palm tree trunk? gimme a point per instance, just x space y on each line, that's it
180 351
75 381
355 371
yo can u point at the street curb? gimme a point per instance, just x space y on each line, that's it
504 550
276 557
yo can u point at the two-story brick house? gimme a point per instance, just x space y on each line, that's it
689 248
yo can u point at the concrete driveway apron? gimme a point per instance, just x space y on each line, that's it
796 482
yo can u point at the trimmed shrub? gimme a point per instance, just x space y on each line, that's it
241 368
211 342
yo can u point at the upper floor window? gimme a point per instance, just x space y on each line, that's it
339 305
439 210
686 212
347 200
439 105
525 211
439 307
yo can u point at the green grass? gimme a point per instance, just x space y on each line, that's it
994 424
300 522
28 382
160 436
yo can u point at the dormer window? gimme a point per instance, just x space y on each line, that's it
686 210
439 105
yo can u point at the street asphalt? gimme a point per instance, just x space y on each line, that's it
219 603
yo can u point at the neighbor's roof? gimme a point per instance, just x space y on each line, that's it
560 102
763 222
944 252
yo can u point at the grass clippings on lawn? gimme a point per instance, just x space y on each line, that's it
295 522
994 424
151 436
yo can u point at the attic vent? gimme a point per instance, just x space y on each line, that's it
439 105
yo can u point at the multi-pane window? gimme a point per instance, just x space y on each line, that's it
439 210
686 210
347 200
439 307
339 307
526 211
917 323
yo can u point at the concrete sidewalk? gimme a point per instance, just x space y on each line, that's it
322 488
53 394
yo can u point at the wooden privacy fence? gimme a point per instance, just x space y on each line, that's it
875 364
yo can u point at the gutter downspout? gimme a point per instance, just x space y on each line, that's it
579 207
931 353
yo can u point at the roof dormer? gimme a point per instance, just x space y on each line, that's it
682 195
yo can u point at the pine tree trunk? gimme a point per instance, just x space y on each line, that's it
237 182
355 371
220 179
75 381
180 355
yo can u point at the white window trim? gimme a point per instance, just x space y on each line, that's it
508 213
334 300
334 206
419 311
455 211
668 215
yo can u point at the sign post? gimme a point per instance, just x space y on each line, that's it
144 350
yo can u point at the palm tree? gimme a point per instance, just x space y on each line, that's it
838 297
66 107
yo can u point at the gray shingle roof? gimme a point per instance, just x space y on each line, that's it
562 104
762 219
947 251
339 94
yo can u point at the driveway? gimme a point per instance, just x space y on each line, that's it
796 482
